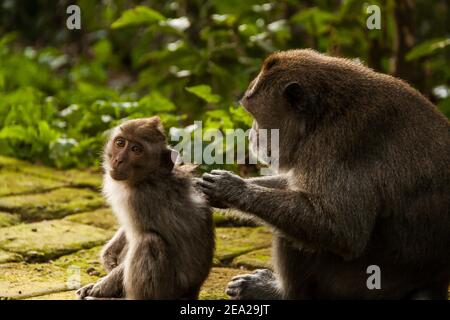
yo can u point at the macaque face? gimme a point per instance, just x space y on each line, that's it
136 150
264 99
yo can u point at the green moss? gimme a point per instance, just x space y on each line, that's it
232 242
87 260
63 295
254 260
214 286
220 219
102 218
21 280
18 183
9 257
45 240
80 178
73 177
51 205
83 178
8 219
7 162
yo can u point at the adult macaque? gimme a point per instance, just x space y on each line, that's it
165 245
364 180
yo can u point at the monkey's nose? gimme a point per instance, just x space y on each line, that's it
118 162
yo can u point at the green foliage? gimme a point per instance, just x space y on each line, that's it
428 48
62 90
203 91
136 16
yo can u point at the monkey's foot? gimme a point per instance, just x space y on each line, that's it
101 289
259 285
84 291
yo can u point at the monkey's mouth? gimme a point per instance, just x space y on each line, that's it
117 175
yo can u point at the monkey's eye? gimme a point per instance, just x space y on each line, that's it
120 142
136 149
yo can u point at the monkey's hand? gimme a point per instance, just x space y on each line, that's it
84 291
223 187
211 202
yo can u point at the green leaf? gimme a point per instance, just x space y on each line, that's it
18 133
155 102
315 20
204 92
218 119
240 115
427 48
46 134
138 15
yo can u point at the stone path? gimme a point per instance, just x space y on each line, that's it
54 223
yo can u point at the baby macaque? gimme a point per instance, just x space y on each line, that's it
164 247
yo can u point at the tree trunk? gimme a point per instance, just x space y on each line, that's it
405 19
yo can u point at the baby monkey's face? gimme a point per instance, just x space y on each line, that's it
136 150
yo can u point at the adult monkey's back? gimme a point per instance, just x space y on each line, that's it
364 180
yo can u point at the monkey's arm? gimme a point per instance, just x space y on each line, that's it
273 182
112 252
332 223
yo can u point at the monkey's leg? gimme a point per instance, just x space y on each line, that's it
259 285
110 286
112 252
148 273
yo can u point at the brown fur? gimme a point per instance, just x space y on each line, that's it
364 179
165 245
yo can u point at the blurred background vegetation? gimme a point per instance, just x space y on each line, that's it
185 60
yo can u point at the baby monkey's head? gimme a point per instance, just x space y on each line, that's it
138 149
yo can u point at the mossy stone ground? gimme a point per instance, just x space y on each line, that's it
258 259
8 219
41 241
101 218
54 204
54 223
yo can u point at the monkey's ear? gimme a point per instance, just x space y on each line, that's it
294 95
154 119
169 158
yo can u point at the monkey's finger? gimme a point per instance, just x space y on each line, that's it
83 292
219 172
236 283
265 273
209 192
209 177
205 184
232 292
242 276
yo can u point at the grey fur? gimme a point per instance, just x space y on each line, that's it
164 248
